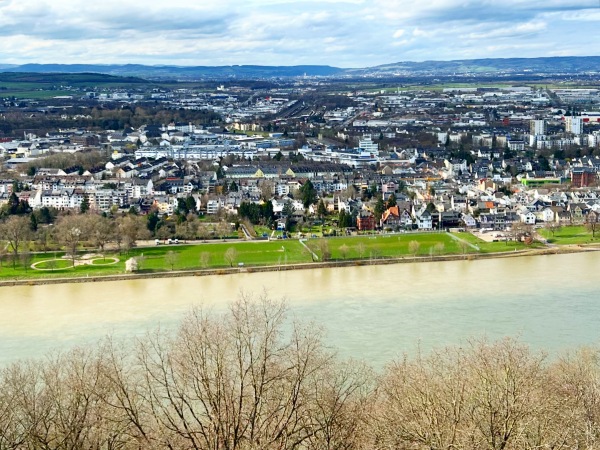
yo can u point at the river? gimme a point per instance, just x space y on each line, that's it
375 313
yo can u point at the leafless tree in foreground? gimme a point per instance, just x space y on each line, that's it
249 379
238 383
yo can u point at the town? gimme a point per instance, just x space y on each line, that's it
307 157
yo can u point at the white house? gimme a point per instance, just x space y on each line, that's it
528 218
424 220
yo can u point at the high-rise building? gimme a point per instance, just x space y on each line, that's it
537 127
366 145
574 124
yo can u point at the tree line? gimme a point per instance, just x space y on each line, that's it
48 229
251 379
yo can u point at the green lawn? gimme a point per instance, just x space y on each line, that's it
493 247
387 245
53 265
256 253
577 234
249 253
163 257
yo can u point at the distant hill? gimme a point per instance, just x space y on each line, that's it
566 64
86 78
550 65
181 72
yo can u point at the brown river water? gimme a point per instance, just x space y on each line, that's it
374 313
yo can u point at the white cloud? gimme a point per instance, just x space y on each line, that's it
346 33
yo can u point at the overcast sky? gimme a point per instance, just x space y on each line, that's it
343 33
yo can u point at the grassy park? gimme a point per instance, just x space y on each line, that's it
493 247
216 255
570 235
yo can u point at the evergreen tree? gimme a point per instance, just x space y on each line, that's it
345 219
379 209
392 201
45 215
85 205
12 204
33 224
308 194
321 209
23 207
152 222
288 209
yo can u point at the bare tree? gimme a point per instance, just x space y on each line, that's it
16 232
592 222
130 412
14 427
140 260
249 379
348 193
552 227
235 382
26 257
188 229
376 253
423 402
203 231
204 259
171 259
503 393
51 263
463 246
42 236
575 401
342 405
3 248
309 251
223 229
344 249
324 249
131 228
59 404
413 247
70 231
101 231
439 248
266 188
520 231
361 249
231 256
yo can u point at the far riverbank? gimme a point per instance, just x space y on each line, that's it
554 250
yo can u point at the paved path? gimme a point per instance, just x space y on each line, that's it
246 232
456 238
314 255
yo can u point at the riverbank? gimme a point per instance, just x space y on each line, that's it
554 250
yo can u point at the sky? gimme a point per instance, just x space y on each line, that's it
342 33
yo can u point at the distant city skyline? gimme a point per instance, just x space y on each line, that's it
342 33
